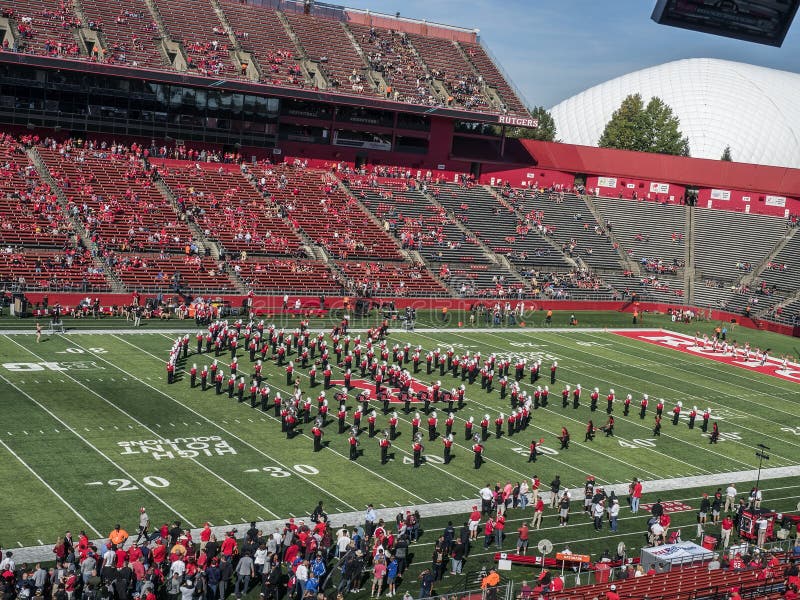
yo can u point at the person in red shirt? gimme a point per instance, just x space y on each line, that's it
725 530
228 545
205 535
499 531
612 594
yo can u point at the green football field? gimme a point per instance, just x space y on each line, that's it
91 431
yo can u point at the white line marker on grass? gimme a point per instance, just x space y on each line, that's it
41 543
228 522
95 483
49 487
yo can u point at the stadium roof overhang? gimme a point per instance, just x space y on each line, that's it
311 95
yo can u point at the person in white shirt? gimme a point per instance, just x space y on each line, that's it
178 568
613 514
523 494
301 577
486 499
8 563
260 558
370 518
342 542
730 498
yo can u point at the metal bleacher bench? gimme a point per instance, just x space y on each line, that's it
56 327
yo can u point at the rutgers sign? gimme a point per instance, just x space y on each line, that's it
517 121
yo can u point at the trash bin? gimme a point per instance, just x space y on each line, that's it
710 542
601 573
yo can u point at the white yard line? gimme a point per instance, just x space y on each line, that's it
204 418
93 447
50 487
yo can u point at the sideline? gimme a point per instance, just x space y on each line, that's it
34 554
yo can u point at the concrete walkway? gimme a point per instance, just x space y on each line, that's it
34 554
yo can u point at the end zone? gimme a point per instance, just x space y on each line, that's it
681 342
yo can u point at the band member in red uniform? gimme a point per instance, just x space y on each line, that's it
264 393
485 428
289 373
218 379
589 437
657 426
498 425
234 366
253 393
199 338
231 385
553 369
565 396
714 433
240 390
534 449
317 432
448 424
643 406
660 407
627 405
393 420
415 423
477 450
432 423
706 417
417 448
327 376
353 443
384 444
312 376
564 438
193 375
676 412
608 428
257 371
610 401
468 425
576 396
342 417
692 417
291 421
371 418
593 398
204 378
545 396
170 371
448 445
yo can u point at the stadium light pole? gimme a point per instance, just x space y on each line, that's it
762 456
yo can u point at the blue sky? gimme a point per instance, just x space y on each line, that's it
553 49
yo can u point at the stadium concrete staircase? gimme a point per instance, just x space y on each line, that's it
114 283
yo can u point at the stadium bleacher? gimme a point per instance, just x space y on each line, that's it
129 32
116 202
230 210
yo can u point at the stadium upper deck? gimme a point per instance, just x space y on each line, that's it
302 46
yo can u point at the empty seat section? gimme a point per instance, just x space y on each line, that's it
129 31
492 76
260 31
195 23
46 27
446 64
71 270
327 44
391 54
117 202
231 211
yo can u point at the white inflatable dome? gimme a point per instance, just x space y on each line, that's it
754 110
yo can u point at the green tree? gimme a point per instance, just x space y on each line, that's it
546 130
651 128
726 154
625 128
662 130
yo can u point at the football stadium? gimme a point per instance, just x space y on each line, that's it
294 308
